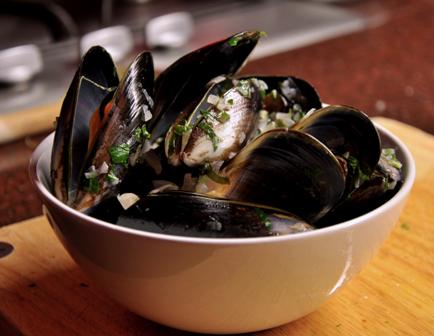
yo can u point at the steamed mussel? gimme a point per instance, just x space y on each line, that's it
199 151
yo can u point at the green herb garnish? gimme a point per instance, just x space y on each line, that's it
209 131
208 171
93 186
119 154
181 128
141 133
390 155
230 101
357 171
223 117
111 177
264 218
233 41
207 114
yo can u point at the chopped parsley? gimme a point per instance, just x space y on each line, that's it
230 101
223 117
207 114
208 171
206 126
119 154
263 217
111 177
93 186
357 171
141 133
181 128
390 155
233 41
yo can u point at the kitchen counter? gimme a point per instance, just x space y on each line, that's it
386 70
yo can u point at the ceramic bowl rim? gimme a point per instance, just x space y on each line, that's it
46 196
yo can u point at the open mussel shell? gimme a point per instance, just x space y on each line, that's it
115 128
215 128
349 134
291 91
288 170
181 82
382 185
188 214
128 107
95 79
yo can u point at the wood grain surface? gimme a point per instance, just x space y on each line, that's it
27 122
43 292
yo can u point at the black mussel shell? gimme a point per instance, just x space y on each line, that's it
293 90
95 79
382 185
187 214
348 133
288 170
181 82
128 110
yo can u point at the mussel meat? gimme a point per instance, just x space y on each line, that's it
218 126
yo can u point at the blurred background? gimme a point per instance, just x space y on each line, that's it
376 55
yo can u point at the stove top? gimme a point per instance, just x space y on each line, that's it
289 25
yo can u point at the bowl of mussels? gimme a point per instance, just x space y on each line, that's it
213 202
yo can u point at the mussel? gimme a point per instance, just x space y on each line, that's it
285 93
284 100
381 185
202 152
119 136
350 135
190 214
215 128
95 80
108 130
285 169
179 83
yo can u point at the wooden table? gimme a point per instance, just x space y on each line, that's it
43 292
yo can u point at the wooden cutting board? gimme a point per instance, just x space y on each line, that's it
35 120
43 292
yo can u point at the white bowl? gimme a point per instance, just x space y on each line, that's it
220 285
